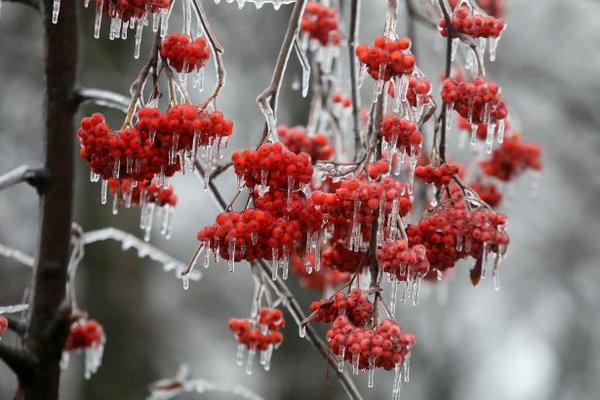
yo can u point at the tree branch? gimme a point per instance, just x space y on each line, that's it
16 325
354 11
19 361
102 98
34 176
267 99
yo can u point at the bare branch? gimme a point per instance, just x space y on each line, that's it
267 99
34 176
217 50
17 255
20 361
16 325
103 98
354 11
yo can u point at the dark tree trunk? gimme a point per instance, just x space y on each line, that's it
49 321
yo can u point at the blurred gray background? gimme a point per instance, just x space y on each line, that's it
536 339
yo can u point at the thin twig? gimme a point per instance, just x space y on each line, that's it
217 50
34 176
447 70
17 255
354 11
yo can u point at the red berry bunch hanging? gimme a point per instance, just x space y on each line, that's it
273 166
419 91
377 169
512 158
85 334
297 140
320 23
338 256
478 101
466 22
402 261
385 346
131 9
262 333
488 192
437 176
356 306
387 58
455 232
183 54
143 192
401 134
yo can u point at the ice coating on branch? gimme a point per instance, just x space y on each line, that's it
13 308
304 63
259 3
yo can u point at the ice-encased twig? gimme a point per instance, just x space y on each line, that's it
144 249
13 309
17 255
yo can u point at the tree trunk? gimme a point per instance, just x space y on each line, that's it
49 320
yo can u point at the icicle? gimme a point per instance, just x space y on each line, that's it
302 331
340 358
239 359
149 217
206 262
285 261
231 254
355 232
64 361
304 64
406 367
361 75
274 263
93 360
394 295
371 373
98 20
496 270
489 139
459 242
263 188
455 42
86 3
416 290
269 115
317 249
164 22
355 361
501 129
397 387
167 221
493 47
468 244
250 361
55 11
94 177
473 133
470 59
138 39
481 44
412 167
185 279
104 191
115 204
124 29
290 190
267 364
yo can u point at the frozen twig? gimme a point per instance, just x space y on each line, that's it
35 176
17 255
267 99
354 11
144 249
217 50
104 98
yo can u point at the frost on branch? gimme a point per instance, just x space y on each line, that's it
17 255
169 388
259 3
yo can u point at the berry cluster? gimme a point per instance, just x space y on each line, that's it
418 91
385 346
492 7
273 166
377 169
454 232
487 192
143 192
183 54
401 134
402 261
85 334
478 101
387 58
355 306
297 140
320 23
338 256
465 22
512 158
131 9
262 333
437 176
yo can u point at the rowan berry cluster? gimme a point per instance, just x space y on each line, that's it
385 346
402 261
338 256
488 192
377 169
455 232
512 158
298 140
387 58
85 334
261 333
356 306
437 176
478 101
419 91
131 9
272 166
183 54
401 134
465 22
320 23
143 192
